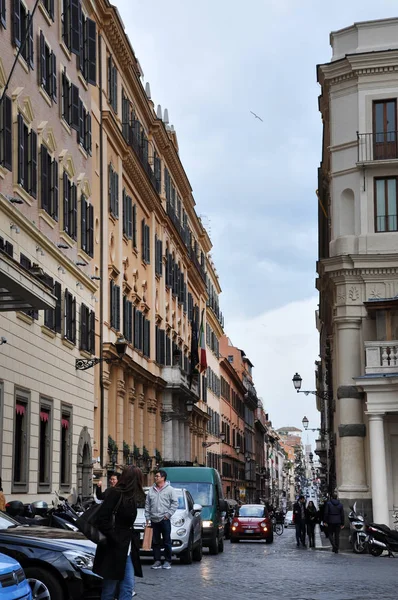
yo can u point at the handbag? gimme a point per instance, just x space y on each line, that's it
147 541
86 523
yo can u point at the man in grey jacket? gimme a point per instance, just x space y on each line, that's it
160 505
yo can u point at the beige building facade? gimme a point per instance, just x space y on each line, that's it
358 279
47 310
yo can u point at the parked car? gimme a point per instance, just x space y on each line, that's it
57 562
204 485
250 522
13 583
186 528
289 519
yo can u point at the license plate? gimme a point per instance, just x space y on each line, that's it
249 531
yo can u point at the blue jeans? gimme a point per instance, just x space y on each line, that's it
161 530
126 586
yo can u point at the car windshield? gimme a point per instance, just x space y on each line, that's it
202 493
6 522
252 511
181 502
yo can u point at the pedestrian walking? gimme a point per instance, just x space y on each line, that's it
160 505
299 520
311 519
333 519
113 479
117 559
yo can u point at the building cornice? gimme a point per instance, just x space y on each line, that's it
353 66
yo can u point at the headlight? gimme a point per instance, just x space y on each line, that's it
236 524
178 522
80 560
181 532
207 523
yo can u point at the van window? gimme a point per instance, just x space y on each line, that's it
202 493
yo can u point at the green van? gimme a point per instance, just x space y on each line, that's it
205 487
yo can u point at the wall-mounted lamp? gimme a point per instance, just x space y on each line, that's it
3 340
61 270
83 364
14 227
237 449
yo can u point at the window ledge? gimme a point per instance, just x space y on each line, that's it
68 343
3 172
25 318
47 331
66 50
67 239
84 256
22 61
46 97
47 218
86 354
66 126
82 80
45 14
83 151
18 189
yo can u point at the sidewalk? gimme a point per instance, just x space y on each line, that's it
321 541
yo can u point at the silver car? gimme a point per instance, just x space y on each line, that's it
186 528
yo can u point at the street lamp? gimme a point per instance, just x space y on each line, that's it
221 438
305 423
82 364
297 381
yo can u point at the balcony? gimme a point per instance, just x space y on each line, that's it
135 142
178 379
377 146
381 357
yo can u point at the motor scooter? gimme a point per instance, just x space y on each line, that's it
380 538
358 536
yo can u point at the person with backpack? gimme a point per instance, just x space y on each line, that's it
117 559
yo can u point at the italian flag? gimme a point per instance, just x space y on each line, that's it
202 347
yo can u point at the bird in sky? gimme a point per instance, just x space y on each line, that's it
257 117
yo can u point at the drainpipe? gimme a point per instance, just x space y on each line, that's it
101 148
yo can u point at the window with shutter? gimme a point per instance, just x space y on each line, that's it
49 6
76 20
146 337
83 223
32 164
84 316
91 52
91 339
54 190
44 179
66 99
3 20
6 133
90 230
75 114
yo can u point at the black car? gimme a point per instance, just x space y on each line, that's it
57 563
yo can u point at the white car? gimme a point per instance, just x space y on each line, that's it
186 528
289 519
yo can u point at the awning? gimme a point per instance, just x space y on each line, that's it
65 423
20 409
20 290
44 416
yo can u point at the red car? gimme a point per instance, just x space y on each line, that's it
251 522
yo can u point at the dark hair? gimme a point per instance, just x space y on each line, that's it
301 497
130 484
162 473
335 495
312 504
114 474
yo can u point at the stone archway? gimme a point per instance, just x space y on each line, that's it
84 464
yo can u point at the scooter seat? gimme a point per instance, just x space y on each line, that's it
384 528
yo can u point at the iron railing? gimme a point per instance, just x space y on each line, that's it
377 146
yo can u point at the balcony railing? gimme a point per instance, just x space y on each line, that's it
381 357
377 146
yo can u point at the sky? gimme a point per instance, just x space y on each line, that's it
210 63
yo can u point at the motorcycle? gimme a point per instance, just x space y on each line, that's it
358 536
380 538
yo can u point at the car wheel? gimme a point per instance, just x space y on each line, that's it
43 584
213 546
198 552
221 545
186 556
234 540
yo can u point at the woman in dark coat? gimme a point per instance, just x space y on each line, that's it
117 559
311 519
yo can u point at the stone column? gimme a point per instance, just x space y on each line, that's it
107 385
167 450
151 410
140 424
131 401
183 452
120 398
378 469
351 430
188 442
176 439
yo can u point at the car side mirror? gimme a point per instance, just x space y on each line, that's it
197 509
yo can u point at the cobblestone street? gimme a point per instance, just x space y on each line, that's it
252 570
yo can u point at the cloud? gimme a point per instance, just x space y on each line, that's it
280 343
